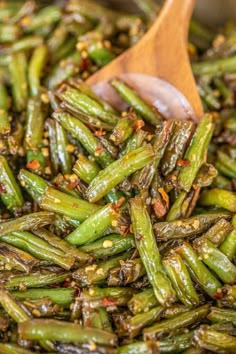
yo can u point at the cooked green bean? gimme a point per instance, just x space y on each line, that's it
150 114
146 245
117 171
4 115
10 191
67 332
164 328
94 226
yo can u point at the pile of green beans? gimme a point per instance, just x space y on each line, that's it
117 229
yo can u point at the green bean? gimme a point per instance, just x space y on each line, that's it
218 232
33 184
60 296
86 89
14 310
34 126
226 171
10 192
5 126
25 9
135 141
62 245
228 296
38 329
97 318
174 310
57 39
18 314
65 158
27 222
86 104
85 168
99 54
143 178
117 171
23 44
39 248
203 276
13 258
213 67
142 302
176 146
94 226
62 203
36 66
133 325
176 344
122 130
9 33
181 281
105 297
17 69
218 342
176 210
109 245
8 10
146 245
220 198
46 16
169 326
215 260
222 315
228 247
150 114
147 347
51 128
98 272
15 139
192 226
129 272
65 69
8 348
85 137
230 124
195 153
35 280
227 162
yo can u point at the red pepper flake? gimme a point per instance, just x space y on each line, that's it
66 284
159 208
124 230
164 196
139 237
33 165
87 322
183 162
73 184
119 203
78 187
99 150
2 189
99 132
108 302
85 64
218 295
138 125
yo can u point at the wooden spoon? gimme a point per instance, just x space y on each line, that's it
158 66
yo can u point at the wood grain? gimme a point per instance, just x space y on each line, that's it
161 53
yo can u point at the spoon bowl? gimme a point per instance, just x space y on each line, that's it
158 67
